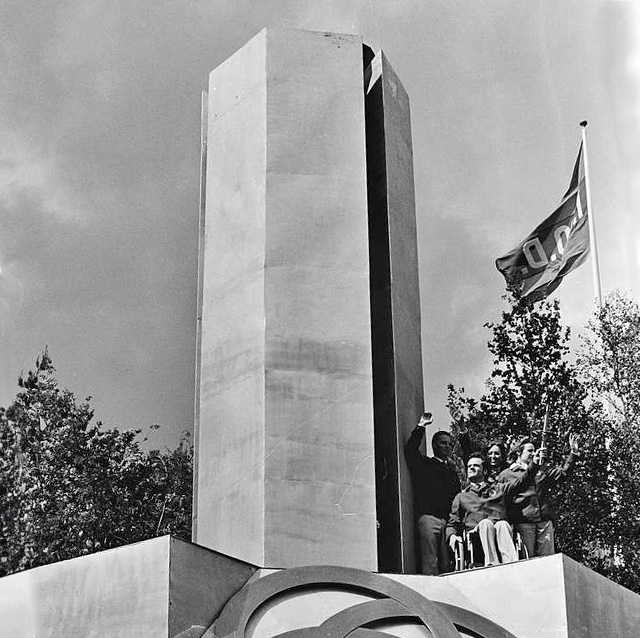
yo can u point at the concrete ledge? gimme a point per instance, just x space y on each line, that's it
551 597
151 589
167 587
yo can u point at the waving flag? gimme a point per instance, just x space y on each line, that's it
556 247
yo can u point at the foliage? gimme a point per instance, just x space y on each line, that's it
533 378
610 361
609 358
531 371
70 487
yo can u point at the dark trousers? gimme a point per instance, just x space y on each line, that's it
538 538
433 545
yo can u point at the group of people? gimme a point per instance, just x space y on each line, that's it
503 492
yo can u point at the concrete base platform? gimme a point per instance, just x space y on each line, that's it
551 597
158 588
167 587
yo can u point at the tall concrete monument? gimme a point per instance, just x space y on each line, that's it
309 366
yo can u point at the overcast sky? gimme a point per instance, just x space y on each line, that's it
99 169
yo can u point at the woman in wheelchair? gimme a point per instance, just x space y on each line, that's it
481 508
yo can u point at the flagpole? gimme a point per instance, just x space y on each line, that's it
595 263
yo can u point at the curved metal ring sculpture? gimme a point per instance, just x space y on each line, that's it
392 600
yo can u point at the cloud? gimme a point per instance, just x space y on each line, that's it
356 16
633 76
99 112
11 295
333 15
24 169
98 191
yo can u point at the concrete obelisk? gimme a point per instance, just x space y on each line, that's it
308 369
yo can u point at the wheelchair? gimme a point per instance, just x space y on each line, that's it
468 552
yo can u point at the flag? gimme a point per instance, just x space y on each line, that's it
556 247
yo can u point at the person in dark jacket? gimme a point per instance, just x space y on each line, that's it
435 483
532 510
482 507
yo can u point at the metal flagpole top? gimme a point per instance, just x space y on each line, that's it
595 262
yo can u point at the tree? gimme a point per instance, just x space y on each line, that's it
533 379
610 362
530 349
610 357
69 486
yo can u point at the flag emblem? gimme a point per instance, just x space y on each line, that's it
556 247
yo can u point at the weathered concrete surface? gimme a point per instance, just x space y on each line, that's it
596 606
313 605
152 589
166 588
285 433
395 303
405 292
113 593
552 597
230 432
527 598
200 584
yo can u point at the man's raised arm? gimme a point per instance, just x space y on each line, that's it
559 473
527 476
412 447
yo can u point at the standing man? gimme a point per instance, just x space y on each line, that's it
435 483
532 509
